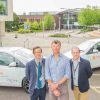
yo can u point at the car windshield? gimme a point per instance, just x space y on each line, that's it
85 45
24 53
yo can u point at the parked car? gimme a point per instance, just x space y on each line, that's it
90 50
12 66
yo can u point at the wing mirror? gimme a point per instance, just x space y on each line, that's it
13 64
95 50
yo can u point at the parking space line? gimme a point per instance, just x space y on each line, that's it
95 88
96 74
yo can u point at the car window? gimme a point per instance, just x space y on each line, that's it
5 59
98 46
94 49
19 63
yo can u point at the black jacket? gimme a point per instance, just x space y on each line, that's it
85 73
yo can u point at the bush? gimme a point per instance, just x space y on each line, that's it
59 35
24 31
86 29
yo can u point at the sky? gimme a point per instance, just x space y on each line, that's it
20 6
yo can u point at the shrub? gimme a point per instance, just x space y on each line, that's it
59 35
24 31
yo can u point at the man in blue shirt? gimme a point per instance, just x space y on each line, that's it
35 72
57 73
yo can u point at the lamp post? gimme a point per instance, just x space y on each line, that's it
67 22
43 26
59 23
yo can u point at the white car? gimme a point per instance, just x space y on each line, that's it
90 50
12 66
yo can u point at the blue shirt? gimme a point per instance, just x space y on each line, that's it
55 70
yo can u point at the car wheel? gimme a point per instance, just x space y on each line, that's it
25 84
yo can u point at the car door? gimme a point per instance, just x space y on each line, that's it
10 76
93 55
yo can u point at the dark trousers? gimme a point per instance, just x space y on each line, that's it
39 94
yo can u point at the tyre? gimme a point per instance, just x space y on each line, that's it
25 84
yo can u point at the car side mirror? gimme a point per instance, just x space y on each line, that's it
95 50
13 64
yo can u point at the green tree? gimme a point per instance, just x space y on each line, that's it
2 9
41 25
34 26
86 17
48 21
12 25
97 14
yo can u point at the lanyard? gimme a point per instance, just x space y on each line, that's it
76 67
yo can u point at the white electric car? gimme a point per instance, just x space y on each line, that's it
12 66
90 50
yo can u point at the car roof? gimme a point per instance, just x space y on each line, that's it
9 49
94 40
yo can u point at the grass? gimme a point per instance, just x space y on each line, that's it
59 35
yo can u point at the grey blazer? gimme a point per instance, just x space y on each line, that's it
31 74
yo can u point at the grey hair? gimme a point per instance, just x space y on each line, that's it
75 48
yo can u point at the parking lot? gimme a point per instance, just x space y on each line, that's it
11 93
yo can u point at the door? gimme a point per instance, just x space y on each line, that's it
93 55
10 76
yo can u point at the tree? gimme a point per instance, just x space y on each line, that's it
97 14
2 9
12 25
41 25
89 16
48 21
86 17
34 26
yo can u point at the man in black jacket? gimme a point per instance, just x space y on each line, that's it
80 73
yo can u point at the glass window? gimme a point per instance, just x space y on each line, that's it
19 63
3 7
95 48
5 59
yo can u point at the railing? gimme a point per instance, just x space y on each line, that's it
26 43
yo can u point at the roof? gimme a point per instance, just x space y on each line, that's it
95 40
9 49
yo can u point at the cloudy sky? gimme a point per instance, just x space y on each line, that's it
21 6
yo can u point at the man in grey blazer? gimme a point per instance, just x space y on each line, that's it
80 73
35 74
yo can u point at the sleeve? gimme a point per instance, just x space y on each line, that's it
89 69
47 70
67 69
27 72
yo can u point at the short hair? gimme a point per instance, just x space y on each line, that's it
75 48
56 42
37 47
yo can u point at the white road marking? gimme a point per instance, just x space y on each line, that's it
95 88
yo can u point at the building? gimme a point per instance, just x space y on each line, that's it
37 16
66 19
6 14
69 18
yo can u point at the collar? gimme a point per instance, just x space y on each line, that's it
37 61
78 60
52 55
